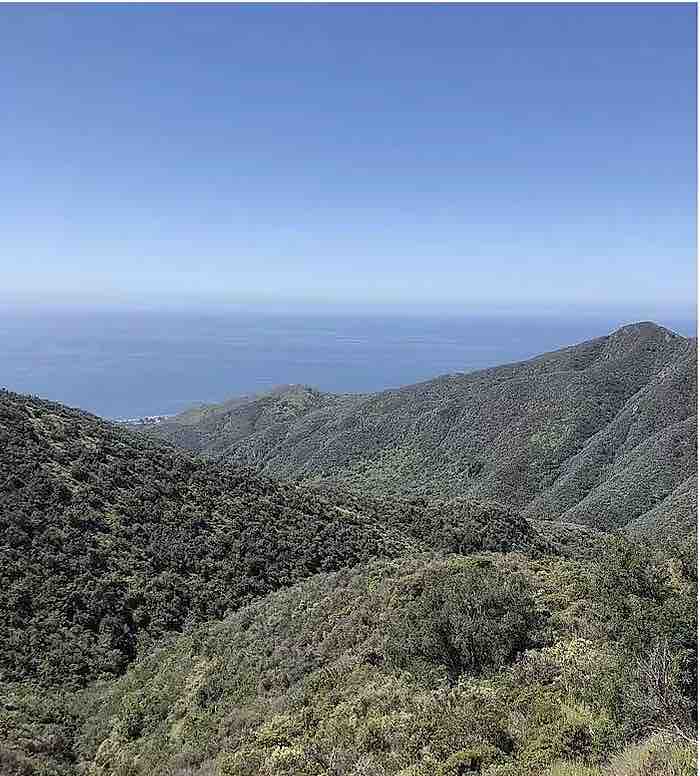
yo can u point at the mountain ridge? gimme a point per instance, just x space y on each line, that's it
532 434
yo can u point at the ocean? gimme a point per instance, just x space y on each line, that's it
126 364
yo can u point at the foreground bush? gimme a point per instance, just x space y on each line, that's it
418 667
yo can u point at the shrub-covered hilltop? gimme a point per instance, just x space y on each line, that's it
493 664
602 433
167 615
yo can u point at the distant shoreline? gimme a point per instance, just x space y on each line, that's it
146 420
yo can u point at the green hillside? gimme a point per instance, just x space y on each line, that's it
598 433
109 540
492 664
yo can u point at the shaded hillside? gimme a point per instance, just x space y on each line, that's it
599 433
491 664
109 540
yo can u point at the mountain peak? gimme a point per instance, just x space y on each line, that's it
643 328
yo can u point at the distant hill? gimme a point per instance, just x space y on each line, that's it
601 434
109 540
211 429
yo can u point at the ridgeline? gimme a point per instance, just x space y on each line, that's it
599 434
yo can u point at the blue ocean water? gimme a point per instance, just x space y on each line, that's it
121 364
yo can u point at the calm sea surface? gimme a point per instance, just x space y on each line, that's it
129 364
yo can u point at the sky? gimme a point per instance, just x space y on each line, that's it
417 155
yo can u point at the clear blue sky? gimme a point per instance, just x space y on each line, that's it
472 154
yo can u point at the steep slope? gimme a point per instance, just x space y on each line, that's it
638 459
109 540
598 433
679 509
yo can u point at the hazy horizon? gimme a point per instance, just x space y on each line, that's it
625 314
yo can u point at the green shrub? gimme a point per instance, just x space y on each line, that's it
472 760
465 620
